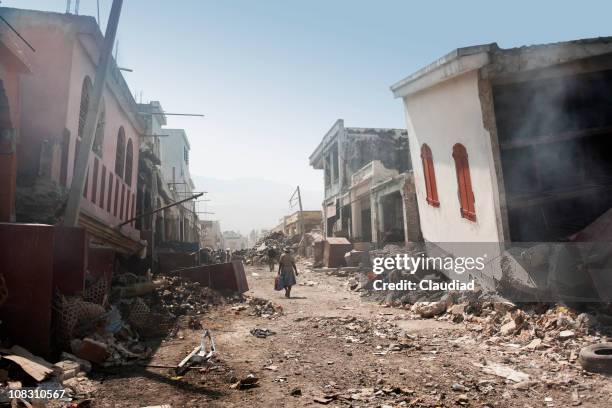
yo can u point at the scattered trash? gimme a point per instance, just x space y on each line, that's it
597 358
199 354
264 308
249 381
262 333
504 371
37 367
323 400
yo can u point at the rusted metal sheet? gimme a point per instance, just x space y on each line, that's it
335 248
26 253
228 276
69 259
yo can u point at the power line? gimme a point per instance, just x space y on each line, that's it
17 33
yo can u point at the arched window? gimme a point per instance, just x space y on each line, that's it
464 182
85 96
129 159
99 138
430 176
120 155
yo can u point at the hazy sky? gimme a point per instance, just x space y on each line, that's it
272 76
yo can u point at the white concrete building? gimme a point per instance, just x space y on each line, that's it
507 143
175 150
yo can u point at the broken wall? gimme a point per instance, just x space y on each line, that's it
555 136
362 146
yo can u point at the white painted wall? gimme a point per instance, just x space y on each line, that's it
441 116
172 155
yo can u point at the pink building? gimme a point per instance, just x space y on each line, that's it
54 101
13 63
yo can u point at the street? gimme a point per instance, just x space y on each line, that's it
339 349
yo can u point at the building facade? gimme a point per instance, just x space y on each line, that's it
511 142
13 64
175 150
290 224
355 161
54 103
211 235
234 241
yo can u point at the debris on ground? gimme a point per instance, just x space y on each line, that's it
247 382
597 358
262 333
200 354
264 308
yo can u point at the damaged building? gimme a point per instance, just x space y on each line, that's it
175 149
169 225
13 65
294 223
234 241
211 235
154 192
54 101
369 189
512 142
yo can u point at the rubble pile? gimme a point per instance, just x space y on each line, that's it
539 324
180 296
109 326
264 308
258 254
62 381
552 328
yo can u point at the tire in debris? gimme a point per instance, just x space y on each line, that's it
597 358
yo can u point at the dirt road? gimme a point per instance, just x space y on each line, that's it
330 347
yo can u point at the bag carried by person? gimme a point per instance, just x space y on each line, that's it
278 283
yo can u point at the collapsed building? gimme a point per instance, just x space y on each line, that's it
512 143
211 235
54 100
299 222
369 187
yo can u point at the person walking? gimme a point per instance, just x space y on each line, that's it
287 271
272 255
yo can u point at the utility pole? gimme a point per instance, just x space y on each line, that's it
71 216
300 215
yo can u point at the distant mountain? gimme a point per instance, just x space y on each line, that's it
250 203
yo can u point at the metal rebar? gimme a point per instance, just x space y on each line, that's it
146 214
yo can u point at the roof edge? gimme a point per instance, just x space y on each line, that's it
450 65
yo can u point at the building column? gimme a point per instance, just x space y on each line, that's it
412 222
355 217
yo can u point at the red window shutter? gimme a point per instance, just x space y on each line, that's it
434 186
464 182
430 176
